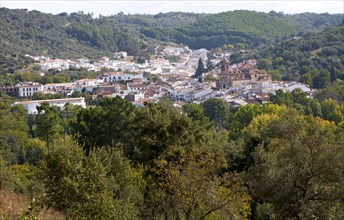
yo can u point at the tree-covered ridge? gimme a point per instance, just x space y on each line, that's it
70 36
79 34
256 26
37 33
312 22
249 27
105 36
161 20
316 59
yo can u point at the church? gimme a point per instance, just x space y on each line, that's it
238 74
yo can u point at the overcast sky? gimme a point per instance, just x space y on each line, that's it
111 7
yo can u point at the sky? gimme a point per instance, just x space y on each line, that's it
111 7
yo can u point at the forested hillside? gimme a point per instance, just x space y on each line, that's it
248 27
79 34
311 22
63 35
234 27
317 59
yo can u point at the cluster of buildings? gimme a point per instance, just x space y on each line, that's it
186 62
237 84
231 76
242 84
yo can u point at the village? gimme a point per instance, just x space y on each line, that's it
171 74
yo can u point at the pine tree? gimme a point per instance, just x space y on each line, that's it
47 122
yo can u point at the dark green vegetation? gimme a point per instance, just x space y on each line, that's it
63 35
281 160
77 34
200 69
241 27
316 59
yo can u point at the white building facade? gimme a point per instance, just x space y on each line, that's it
27 90
120 76
31 106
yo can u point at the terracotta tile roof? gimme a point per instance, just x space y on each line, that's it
137 85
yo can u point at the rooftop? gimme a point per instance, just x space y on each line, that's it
51 100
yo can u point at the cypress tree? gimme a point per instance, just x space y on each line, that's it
333 73
200 69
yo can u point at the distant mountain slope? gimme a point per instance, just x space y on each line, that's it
78 34
312 22
74 35
316 59
250 27
161 20
239 27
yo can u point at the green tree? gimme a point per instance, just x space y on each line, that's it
333 75
117 116
200 69
244 115
187 186
298 167
196 112
34 151
48 123
108 124
87 129
322 80
335 92
217 111
281 98
166 102
332 111
13 131
101 185
39 96
156 128
76 94
68 115
209 78
264 64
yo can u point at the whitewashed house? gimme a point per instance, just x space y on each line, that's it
120 76
133 87
31 106
26 90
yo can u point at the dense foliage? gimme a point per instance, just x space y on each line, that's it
316 59
116 160
79 34
70 36
249 28
236 27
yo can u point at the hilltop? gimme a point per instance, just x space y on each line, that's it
79 34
